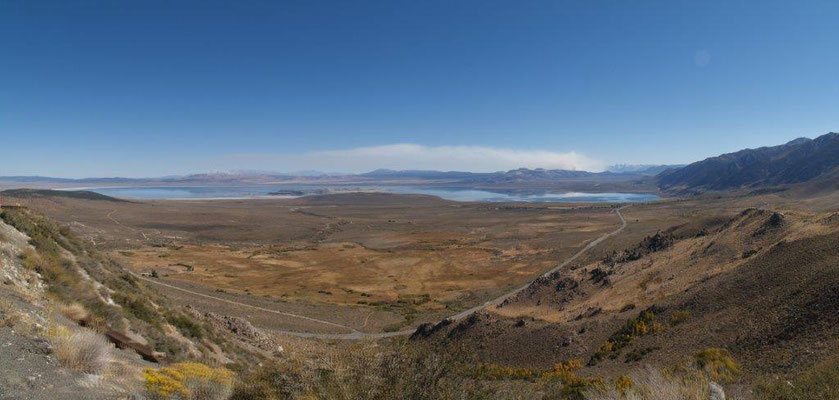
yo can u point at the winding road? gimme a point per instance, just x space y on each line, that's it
240 304
355 334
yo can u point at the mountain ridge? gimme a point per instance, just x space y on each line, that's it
797 161
379 175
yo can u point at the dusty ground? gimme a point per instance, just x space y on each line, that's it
368 261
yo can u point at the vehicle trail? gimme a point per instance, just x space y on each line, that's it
283 313
110 217
356 335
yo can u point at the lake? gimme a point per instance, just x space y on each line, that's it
287 191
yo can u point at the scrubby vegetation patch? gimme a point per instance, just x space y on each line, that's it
645 323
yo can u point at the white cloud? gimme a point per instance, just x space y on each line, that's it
414 156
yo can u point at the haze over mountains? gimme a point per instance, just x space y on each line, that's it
800 160
379 175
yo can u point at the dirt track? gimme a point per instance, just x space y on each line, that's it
355 334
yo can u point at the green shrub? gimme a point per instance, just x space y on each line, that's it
187 326
645 323
137 307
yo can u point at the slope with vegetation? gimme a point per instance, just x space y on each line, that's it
800 160
74 304
749 295
700 299
48 193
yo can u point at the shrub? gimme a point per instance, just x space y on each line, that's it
718 364
561 381
637 354
653 384
749 253
362 372
565 372
137 307
678 317
11 317
74 311
598 275
84 351
622 384
185 325
492 371
645 323
188 381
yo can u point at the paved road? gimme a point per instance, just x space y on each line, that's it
353 334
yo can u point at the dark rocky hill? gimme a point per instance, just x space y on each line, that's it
800 160
46 193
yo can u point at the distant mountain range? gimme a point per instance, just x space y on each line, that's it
642 169
521 175
800 160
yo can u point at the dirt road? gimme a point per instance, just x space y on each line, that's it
353 334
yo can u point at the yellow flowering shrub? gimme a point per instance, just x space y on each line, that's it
644 324
565 372
623 383
186 379
718 363
496 372
164 383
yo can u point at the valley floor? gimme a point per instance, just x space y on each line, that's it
739 288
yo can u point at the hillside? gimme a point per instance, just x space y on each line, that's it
642 169
748 288
800 160
46 193
79 326
759 283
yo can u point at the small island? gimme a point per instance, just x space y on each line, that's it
286 193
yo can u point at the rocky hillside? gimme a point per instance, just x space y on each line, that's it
760 284
75 325
800 160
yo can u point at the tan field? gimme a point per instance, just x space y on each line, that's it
407 259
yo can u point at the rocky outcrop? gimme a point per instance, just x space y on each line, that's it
241 329
650 244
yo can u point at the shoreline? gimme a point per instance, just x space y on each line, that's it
449 194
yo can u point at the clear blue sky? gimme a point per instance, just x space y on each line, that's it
146 88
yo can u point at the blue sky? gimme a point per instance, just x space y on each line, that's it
147 88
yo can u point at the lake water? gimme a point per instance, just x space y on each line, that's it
456 194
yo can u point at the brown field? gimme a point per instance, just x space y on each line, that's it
400 259
730 278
